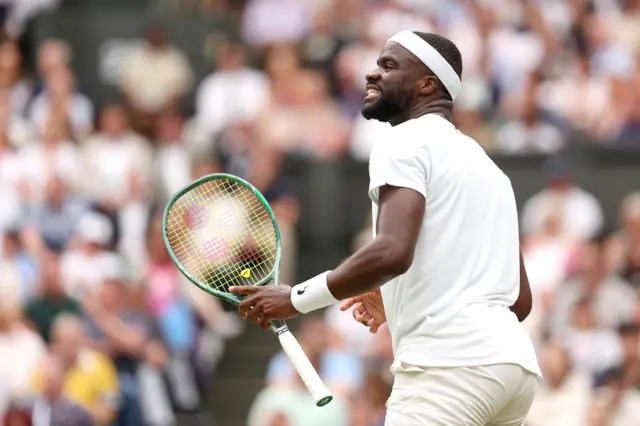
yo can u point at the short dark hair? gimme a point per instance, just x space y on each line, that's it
447 49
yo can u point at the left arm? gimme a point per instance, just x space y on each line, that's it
390 254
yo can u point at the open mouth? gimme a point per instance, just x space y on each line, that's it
373 93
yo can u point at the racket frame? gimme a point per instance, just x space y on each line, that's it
287 340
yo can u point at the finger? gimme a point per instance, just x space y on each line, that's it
363 319
349 303
264 321
255 314
246 305
358 312
374 328
244 289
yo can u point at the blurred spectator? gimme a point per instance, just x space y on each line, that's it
173 163
112 156
321 46
10 167
530 134
234 93
15 128
625 26
176 320
20 352
51 299
578 95
593 348
90 378
55 156
86 264
52 222
563 398
156 78
629 136
629 239
582 216
117 327
630 366
619 400
53 55
377 390
291 124
608 58
266 22
60 97
21 11
52 407
19 270
12 81
614 301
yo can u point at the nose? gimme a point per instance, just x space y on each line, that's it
373 75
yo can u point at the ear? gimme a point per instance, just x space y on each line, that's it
428 85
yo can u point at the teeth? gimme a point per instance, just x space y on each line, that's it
372 91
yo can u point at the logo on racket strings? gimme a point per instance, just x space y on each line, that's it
246 273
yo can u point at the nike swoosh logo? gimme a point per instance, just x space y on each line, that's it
301 291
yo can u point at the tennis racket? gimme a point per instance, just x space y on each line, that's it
221 232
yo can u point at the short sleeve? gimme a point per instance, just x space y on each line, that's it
403 164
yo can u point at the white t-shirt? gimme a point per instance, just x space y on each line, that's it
451 308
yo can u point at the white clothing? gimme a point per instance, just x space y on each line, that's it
515 137
451 308
39 165
495 395
20 352
84 274
155 77
582 216
228 97
81 113
112 162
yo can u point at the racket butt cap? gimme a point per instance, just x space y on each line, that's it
324 401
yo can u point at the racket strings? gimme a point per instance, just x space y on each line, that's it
222 234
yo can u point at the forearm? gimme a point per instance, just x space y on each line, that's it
367 269
370 267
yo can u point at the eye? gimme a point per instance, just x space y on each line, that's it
388 66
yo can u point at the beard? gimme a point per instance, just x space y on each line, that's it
384 108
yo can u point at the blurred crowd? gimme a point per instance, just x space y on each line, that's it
98 327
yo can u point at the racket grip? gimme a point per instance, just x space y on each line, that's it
303 366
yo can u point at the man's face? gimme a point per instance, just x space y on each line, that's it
392 85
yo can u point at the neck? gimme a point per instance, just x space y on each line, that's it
442 107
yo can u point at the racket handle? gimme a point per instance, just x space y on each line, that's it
300 361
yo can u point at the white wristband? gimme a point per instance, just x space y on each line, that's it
312 294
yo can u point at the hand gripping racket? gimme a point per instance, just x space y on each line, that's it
221 232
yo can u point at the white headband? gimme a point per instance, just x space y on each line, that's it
431 58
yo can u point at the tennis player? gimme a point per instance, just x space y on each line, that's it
444 269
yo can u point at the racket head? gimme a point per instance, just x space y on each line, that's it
220 231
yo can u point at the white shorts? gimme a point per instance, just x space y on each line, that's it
493 395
